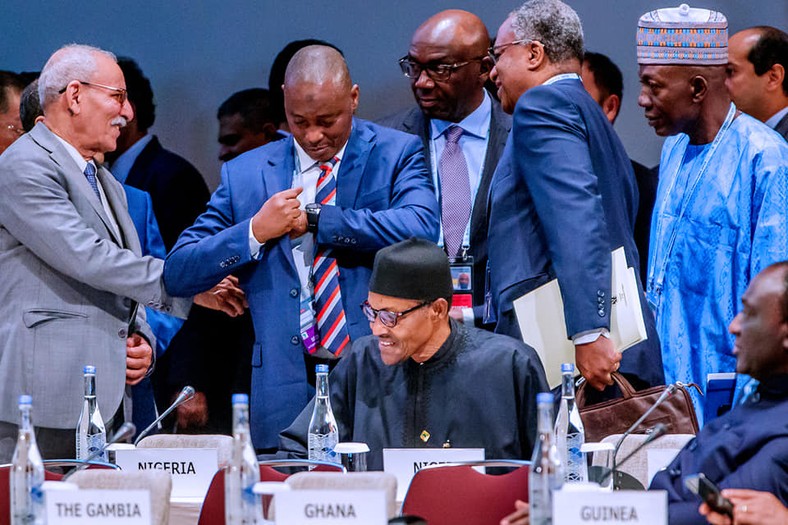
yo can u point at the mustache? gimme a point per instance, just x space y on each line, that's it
119 121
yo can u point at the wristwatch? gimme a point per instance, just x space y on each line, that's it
312 216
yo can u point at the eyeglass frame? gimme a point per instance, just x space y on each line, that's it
397 315
124 93
436 75
495 57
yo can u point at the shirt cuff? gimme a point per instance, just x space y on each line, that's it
254 245
589 336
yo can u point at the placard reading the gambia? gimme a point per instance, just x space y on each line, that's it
192 469
405 462
102 507
625 507
331 507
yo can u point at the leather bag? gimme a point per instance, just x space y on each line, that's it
617 415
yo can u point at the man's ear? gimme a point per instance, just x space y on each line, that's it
775 77
700 88
611 106
536 55
440 308
74 94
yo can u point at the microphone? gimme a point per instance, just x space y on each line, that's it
660 429
125 431
669 390
186 394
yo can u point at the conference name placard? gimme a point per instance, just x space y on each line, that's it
95 506
192 469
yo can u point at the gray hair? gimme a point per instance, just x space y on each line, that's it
317 65
70 62
554 24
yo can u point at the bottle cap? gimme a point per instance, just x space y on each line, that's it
89 369
240 399
321 369
25 399
567 367
544 398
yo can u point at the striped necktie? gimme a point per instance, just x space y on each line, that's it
330 315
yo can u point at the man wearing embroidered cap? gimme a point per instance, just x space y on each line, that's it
719 217
422 380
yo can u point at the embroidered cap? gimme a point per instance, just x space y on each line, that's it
683 36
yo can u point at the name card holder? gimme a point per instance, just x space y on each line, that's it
99 507
623 507
192 469
331 507
403 463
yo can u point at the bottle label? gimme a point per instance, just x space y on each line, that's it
576 468
321 447
88 445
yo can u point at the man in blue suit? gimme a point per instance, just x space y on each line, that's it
564 195
338 184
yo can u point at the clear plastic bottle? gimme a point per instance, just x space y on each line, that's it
241 505
569 432
91 434
547 473
27 472
323 433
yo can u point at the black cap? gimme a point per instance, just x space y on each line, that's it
412 269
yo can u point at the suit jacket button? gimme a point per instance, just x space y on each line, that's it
295 340
294 292
122 333
600 294
601 312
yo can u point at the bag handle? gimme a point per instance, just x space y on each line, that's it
626 388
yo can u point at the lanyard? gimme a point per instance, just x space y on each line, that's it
657 281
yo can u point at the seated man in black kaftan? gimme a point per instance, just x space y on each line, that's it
422 380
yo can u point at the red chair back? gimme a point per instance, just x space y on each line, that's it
458 494
5 491
212 512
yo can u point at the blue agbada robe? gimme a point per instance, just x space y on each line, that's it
725 226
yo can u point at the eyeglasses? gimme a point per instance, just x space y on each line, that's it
121 95
386 317
439 72
495 52
14 128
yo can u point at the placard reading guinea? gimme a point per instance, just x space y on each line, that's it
623 507
192 469
403 463
104 507
331 507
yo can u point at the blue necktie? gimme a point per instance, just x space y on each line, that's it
90 174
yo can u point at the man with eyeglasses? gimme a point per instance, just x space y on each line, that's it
447 65
564 195
11 87
73 276
422 380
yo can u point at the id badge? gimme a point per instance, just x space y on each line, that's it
462 281
308 328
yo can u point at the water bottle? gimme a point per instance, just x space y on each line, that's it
547 473
323 433
569 432
241 505
27 472
91 434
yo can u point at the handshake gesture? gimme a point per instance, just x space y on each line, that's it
280 215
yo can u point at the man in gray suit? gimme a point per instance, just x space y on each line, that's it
447 64
72 271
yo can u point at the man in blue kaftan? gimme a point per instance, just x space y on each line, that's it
720 214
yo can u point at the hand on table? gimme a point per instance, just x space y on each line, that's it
750 507
193 414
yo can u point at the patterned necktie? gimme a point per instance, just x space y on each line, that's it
455 192
90 174
331 323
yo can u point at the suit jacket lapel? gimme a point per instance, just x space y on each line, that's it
47 140
352 166
116 198
277 175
